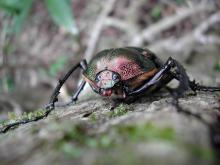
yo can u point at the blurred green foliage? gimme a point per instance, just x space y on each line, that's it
8 83
12 117
180 2
76 139
61 13
18 10
16 13
156 12
57 66
217 65
9 6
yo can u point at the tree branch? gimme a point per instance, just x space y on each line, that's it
152 31
97 28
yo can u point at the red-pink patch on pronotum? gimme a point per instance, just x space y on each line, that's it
125 67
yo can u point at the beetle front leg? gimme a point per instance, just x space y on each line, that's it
76 94
53 99
54 96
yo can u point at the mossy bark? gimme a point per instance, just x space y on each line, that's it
147 131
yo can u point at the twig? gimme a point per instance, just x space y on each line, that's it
5 40
151 32
199 32
120 24
97 28
188 42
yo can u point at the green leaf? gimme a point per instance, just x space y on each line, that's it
9 6
19 20
18 10
61 13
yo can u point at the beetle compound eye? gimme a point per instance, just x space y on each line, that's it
98 78
114 77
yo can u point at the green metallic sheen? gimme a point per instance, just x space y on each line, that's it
133 54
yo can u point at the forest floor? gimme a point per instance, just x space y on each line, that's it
149 130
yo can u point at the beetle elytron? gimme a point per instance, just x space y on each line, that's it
127 72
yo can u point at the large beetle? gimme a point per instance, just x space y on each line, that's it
127 72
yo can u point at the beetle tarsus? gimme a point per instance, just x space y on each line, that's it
197 87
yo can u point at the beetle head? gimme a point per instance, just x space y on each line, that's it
106 80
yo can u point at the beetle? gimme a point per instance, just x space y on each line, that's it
127 72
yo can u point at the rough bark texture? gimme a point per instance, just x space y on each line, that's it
148 131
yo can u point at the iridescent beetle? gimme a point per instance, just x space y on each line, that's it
127 72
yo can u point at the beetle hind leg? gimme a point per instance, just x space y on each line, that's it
180 74
172 69
197 87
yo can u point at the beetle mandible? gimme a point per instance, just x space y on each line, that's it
129 71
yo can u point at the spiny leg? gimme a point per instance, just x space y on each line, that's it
183 79
178 72
174 69
53 99
75 95
185 83
54 96
197 87
154 81
170 70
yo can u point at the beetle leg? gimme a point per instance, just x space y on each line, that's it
181 75
197 87
156 79
171 69
178 72
76 94
53 98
